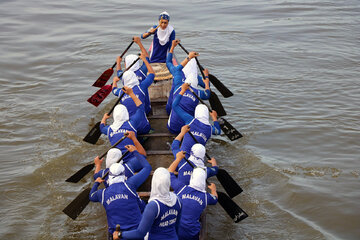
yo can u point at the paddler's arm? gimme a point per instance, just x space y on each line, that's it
189 57
97 162
169 58
187 118
103 127
130 92
96 195
212 201
205 95
115 90
213 170
150 78
175 146
175 183
142 49
136 142
216 130
149 32
135 181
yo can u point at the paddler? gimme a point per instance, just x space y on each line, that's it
140 72
162 214
194 200
121 202
164 34
123 123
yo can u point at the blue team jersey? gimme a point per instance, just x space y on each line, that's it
164 226
201 132
193 204
158 52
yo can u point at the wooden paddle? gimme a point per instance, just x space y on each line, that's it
109 72
85 170
231 187
227 128
103 92
216 82
74 208
230 207
95 133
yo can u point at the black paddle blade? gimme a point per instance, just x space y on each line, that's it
229 130
231 187
101 81
216 104
232 209
74 209
220 86
100 95
80 174
94 134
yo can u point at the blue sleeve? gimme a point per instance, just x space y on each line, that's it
104 128
212 171
135 181
96 195
147 32
187 118
201 82
147 220
119 72
99 174
204 94
143 67
138 116
175 183
116 91
216 130
169 63
175 147
211 199
147 82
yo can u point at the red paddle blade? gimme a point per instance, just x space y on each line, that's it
100 95
101 81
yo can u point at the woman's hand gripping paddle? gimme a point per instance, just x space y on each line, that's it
85 170
231 187
103 92
74 208
227 128
101 81
95 133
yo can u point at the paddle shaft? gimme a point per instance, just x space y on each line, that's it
124 52
119 141
193 137
197 60
192 91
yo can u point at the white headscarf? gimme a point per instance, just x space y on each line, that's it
190 67
192 80
120 116
116 174
112 156
129 59
197 155
164 35
198 179
160 188
202 114
130 79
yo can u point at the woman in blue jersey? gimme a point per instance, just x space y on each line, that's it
164 34
121 202
139 88
187 70
199 124
122 124
196 156
161 215
194 199
112 157
141 72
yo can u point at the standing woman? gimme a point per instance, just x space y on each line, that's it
161 216
164 34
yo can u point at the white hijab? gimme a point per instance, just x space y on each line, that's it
192 80
112 156
116 174
129 59
197 155
198 179
202 114
130 79
120 116
190 67
160 188
164 35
